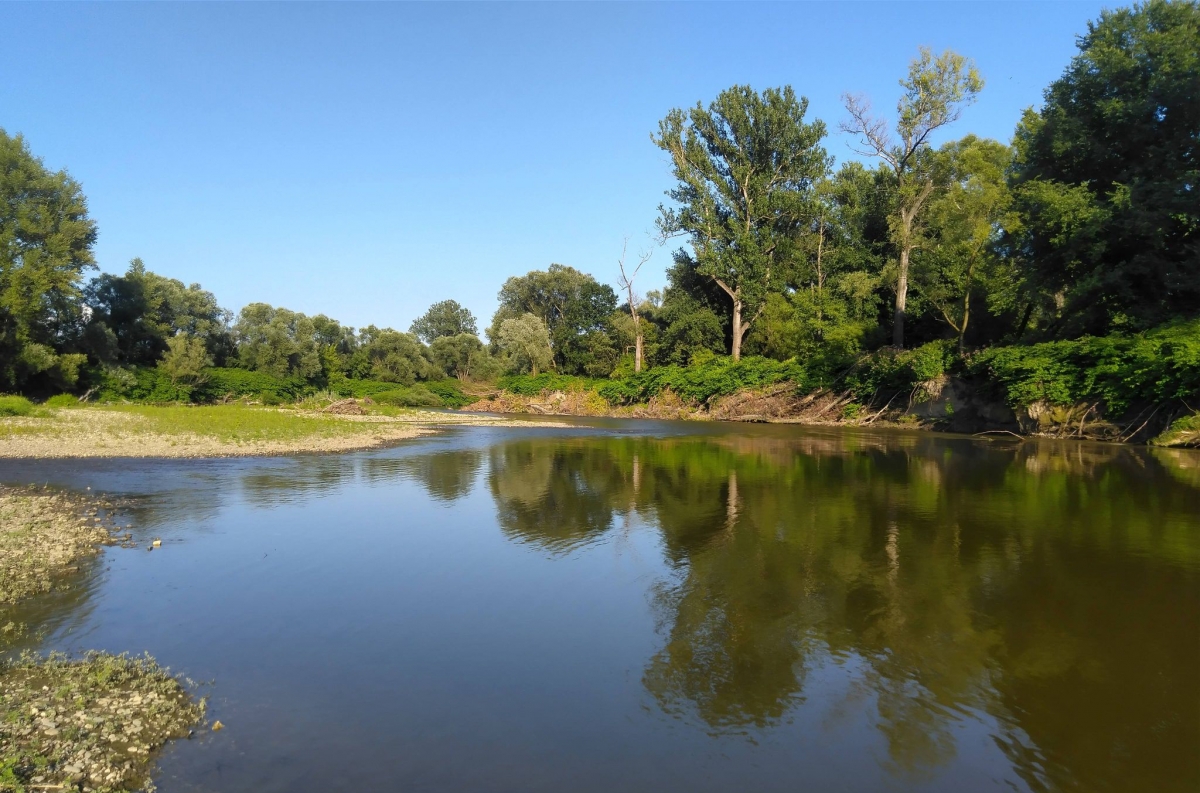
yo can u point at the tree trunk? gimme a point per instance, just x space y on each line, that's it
737 329
901 298
966 317
637 349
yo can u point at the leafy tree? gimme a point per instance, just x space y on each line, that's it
186 360
1107 174
576 310
526 342
46 240
745 167
396 357
277 341
935 92
133 317
446 318
463 356
963 223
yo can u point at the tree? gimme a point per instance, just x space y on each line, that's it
626 283
186 360
526 341
396 357
744 167
935 92
576 310
275 340
46 240
964 223
462 356
446 318
1107 174
133 317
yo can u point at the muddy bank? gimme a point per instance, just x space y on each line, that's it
946 404
90 724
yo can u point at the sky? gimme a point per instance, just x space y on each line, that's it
366 160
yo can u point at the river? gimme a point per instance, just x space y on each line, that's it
661 606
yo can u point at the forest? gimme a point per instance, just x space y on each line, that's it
1059 268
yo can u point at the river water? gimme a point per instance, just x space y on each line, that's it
654 606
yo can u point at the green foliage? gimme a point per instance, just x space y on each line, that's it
744 168
462 356
15 406
889 371
525 341
414 396
449 392
576 310
63 401
186 360
446 318
1118 370
1107 173
718 376
532 385
135 315
46 240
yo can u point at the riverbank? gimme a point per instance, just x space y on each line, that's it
944 404
44 535
233 430
88 724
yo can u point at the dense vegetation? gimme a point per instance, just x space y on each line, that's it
1062 268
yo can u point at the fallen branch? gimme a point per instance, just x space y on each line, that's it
998 432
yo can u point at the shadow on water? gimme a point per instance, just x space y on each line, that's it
1047 593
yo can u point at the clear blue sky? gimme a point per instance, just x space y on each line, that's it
366 160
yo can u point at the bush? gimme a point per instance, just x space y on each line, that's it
413 396
1156 366
450 392
889 371
63 401
528 385
15 406
700 383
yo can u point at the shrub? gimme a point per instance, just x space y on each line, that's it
63 401
450 392
15 406
1156 366
413 396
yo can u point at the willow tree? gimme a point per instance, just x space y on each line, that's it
745 168
935 92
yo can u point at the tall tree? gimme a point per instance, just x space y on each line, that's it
46 240
745 167
964 224
446 318
936 90
575 309
1107 182
526 341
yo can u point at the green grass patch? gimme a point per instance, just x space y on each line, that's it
15 406
237 423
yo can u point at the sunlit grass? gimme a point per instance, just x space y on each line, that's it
237 423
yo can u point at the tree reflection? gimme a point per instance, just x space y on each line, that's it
954 580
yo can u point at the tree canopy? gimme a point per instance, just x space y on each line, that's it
445 318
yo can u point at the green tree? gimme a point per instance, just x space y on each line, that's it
463 356
446 318
395 357
1107 176
46 240
186 360
963 227
936 90
133 317
745 167
277 341
576 310
526 342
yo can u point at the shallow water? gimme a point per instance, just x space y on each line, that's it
638 606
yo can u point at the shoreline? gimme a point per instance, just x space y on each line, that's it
220 431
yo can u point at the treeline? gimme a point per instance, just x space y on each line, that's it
1085 225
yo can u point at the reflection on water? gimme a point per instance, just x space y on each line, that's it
1045 594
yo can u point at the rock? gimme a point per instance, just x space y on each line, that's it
217 726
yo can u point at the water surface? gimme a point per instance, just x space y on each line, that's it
662 607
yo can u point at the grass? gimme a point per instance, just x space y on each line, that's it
15 406
239 423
